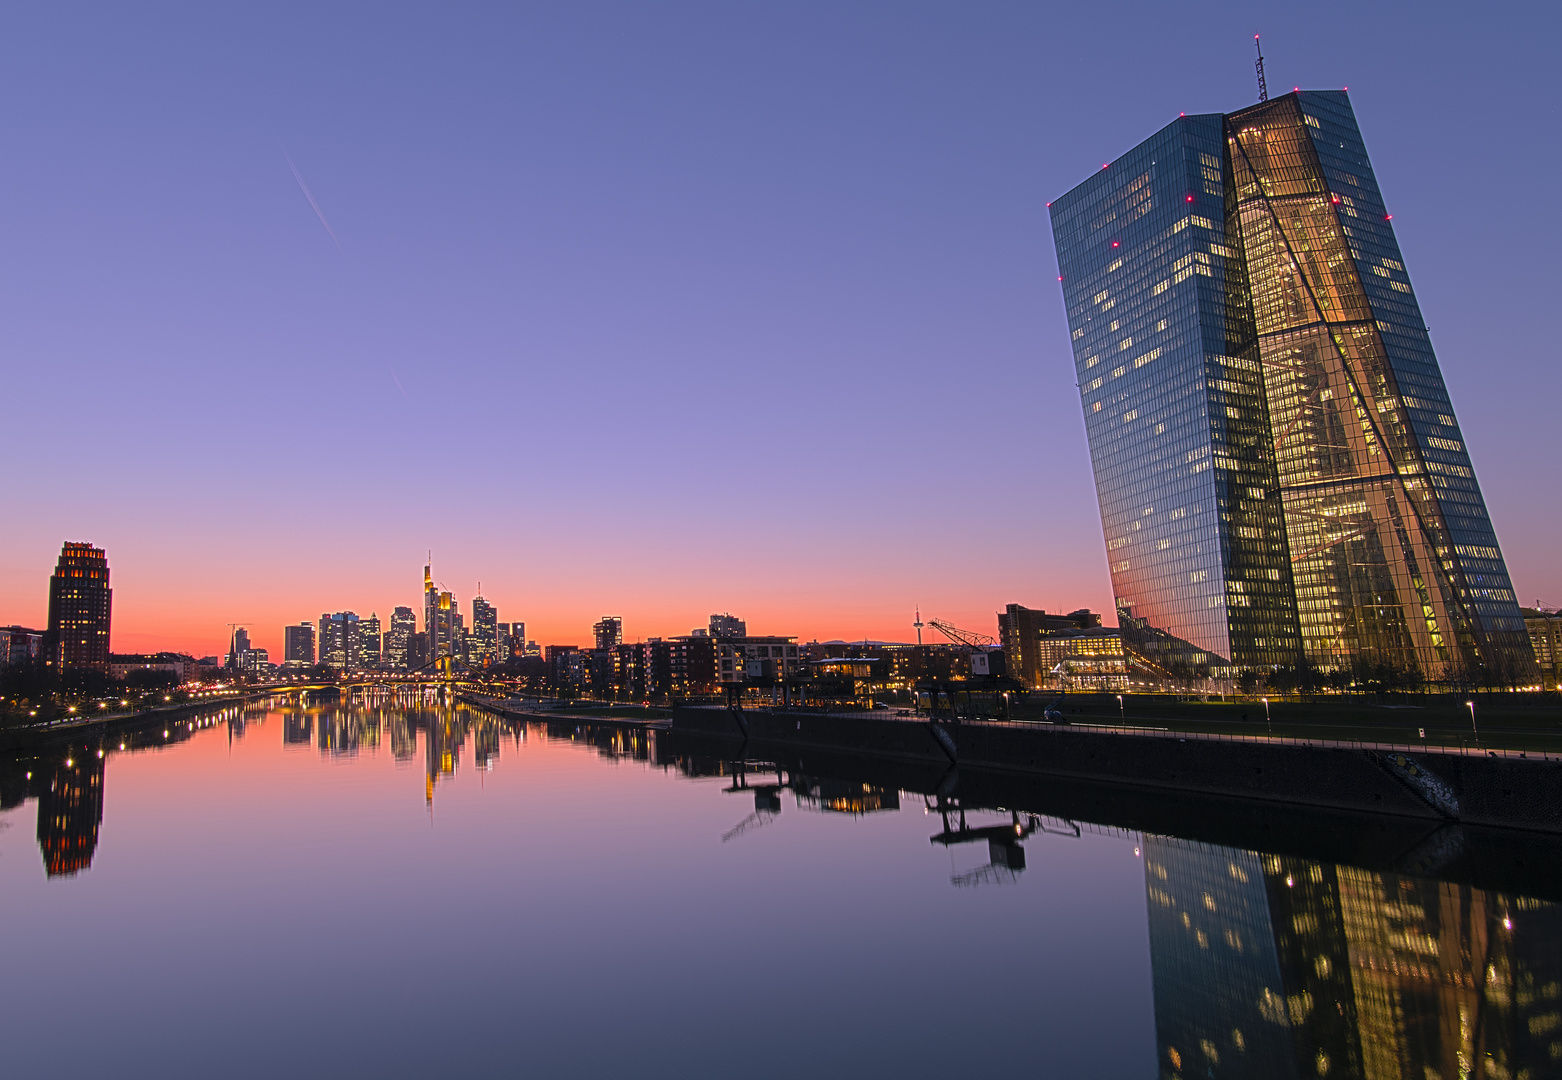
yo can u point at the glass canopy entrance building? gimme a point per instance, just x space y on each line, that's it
1280 473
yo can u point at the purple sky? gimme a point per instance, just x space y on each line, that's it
664 309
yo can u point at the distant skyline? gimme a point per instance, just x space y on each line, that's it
663 312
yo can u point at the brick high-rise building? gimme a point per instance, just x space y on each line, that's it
79 608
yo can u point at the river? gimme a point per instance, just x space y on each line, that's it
396 887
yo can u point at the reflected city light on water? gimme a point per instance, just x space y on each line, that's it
637 869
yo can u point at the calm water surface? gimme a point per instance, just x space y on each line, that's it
412 890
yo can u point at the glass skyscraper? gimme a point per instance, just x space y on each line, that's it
1281 476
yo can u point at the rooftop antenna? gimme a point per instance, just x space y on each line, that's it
1263 88
919 624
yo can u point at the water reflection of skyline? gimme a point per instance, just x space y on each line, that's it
362 726
1289 962
1278 965
1275 966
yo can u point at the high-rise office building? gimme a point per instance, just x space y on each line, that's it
403 624
483 648
298 645
339 647
609 632
430 602
369 641
1281 475
417 650
441 618
80 604
237 647
512 640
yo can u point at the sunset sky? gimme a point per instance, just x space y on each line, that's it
663 310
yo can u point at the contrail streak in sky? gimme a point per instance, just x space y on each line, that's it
316 206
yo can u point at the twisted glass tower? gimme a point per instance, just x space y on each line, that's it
1281 476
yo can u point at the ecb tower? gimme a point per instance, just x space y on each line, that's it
1281 476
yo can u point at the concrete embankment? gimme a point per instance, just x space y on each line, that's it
520 709
1502 790
1508 860
88 728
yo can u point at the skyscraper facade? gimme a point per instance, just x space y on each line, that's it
512 641
298 645
80 605
440 618
369 641
1281 476
237 647
403 624
339 646
483 648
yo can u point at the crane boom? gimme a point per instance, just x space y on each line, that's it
970 639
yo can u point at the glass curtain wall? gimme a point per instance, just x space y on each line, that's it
1394 558
1166 353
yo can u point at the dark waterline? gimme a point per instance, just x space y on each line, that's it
269 892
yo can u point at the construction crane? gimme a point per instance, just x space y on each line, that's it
968 638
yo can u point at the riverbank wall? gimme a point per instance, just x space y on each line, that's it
519 709
1497 789
24 739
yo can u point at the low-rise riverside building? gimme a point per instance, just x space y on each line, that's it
1545 636
185 668
19 645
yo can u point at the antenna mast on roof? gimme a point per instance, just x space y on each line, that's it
1263 88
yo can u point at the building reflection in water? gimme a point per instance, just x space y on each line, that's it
350 727
1271 966
70 809
347 730
1264 965
297 728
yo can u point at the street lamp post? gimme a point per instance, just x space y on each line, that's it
1120 716
1471 706
1267 723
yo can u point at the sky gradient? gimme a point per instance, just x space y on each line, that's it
663 310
